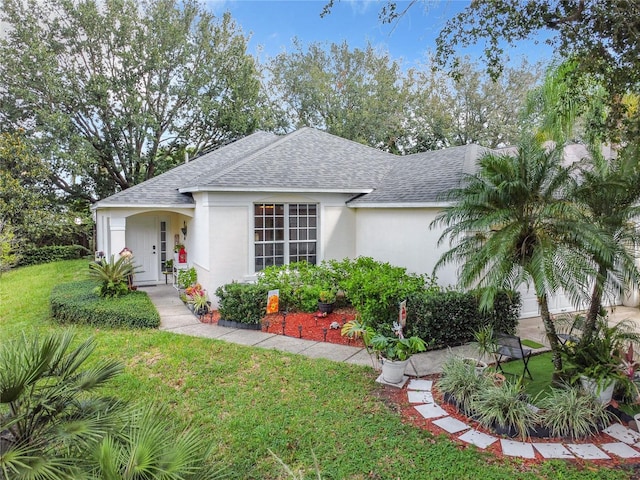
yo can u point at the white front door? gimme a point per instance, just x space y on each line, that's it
142 239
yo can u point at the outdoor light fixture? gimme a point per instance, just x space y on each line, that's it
324 333
300 331
184 230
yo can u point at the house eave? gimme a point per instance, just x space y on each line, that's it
400 205
351 191
155 206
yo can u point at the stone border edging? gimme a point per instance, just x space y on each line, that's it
627 445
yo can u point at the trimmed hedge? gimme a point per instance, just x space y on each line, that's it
450 318
242 302
77 303
51 253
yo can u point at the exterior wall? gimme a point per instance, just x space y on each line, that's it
227 234
401 236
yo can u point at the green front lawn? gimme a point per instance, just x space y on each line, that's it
248 400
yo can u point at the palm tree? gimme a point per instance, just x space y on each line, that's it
512 224
45 408
610 189
607 188
51 428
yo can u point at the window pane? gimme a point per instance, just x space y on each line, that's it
279 223
303 234
312 209
259 236
279 248
312 234
293 249
279 209
259 222
303 222
293 235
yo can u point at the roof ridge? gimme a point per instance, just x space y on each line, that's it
266 148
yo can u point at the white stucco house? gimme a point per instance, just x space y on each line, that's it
269 199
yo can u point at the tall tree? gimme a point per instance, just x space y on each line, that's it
29 208
102 85
511 224
602 36
607 187
366 96
357 94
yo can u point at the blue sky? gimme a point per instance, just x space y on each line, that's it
273 23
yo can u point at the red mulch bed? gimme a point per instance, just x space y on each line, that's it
315 326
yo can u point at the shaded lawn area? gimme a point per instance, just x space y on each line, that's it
247 400
541 369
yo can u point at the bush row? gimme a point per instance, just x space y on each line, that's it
51 253
450 318
77 303
441 318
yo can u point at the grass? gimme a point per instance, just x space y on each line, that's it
530 343
249 401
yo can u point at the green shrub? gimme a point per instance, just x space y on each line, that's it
460 380
375 288
77 303
51 253
505 406
299 284
242 302
450 318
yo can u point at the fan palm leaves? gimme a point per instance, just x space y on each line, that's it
512 223
53 428
44 406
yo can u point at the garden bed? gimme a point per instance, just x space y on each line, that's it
315 326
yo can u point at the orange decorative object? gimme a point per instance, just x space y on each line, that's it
272 304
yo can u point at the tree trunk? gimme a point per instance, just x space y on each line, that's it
594 306
552 336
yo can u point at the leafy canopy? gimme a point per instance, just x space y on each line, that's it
106 87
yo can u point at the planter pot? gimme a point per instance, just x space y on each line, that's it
234 324
603 391
325 307
478 365
393 370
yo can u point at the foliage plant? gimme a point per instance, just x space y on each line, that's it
47 407
242 302
200 303
113 276
299 284
504 405
568 412
396 347
76 303
602 356
187 277
460 381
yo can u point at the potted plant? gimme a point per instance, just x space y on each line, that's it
326 300
200 303
485 345
393 351
598 363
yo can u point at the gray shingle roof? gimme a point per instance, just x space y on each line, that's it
163 189
306 160
423 177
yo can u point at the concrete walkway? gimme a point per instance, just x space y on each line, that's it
176 317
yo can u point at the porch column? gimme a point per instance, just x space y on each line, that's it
117 228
